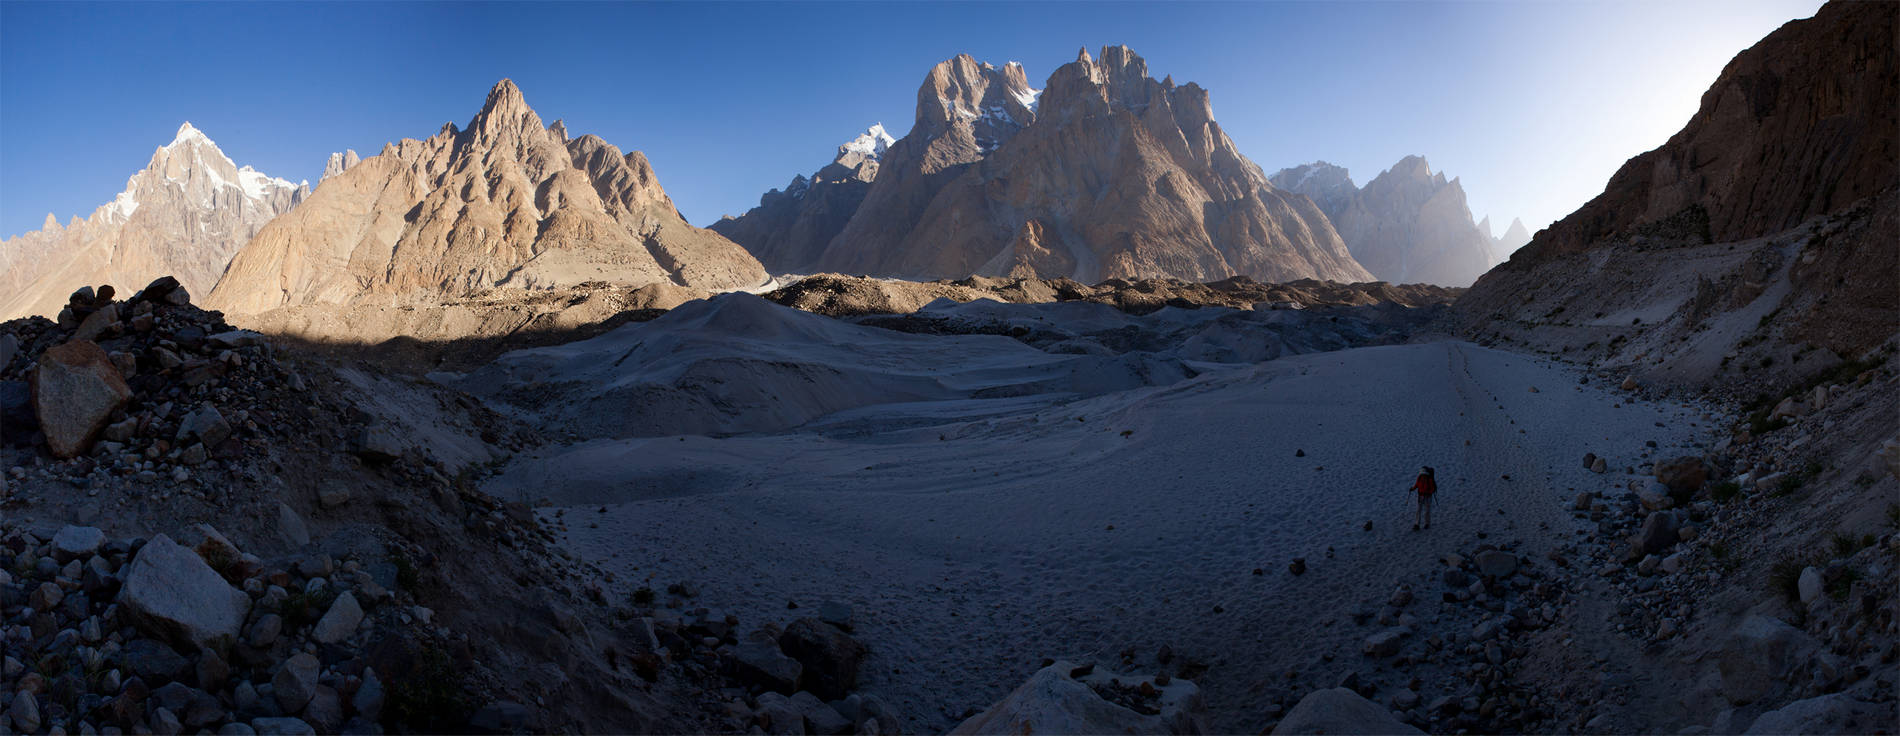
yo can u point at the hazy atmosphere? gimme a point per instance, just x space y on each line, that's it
736 97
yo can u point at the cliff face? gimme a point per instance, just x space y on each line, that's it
1803 123
1765 229
506 203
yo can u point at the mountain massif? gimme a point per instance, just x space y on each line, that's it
1104 173
184 215
789 228
505 203
1408 225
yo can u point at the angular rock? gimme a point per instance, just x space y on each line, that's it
206 424
378 443
154 662
324 712
1340 711
1496 563
1809 585
174 595
820 719
760 663
368 699
340 622
290 524
1683 474
1385 643
1659 532
296 682
835 613
76 388
25 713
1054 701
77 542
1759 655
831 658
1655 496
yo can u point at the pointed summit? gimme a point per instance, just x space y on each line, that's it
505 203
188 133
504 95
1083 56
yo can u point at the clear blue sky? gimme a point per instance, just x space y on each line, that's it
1533 104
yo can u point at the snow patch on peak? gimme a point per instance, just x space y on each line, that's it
126 203
1029 98
256 185
871 144
187 133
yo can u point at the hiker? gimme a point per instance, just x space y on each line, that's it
1424 487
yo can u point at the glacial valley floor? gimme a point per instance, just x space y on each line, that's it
975 538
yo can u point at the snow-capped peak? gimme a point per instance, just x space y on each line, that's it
871 144
188 133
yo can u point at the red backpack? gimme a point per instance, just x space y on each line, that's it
1425 485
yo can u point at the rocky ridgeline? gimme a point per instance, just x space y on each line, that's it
150 636
846 296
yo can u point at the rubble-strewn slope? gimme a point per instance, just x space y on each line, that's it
184 215
357 574
506 203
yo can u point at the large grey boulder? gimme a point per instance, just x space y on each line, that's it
340 621
1056 701
1809 584
172 594
1496 563
1659 532
206 424
75 390
760 663
1385 643
1340 711
296 682
830 657
77 542
1684 474
1759 656
1837 713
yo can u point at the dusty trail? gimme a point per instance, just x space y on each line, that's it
976 538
